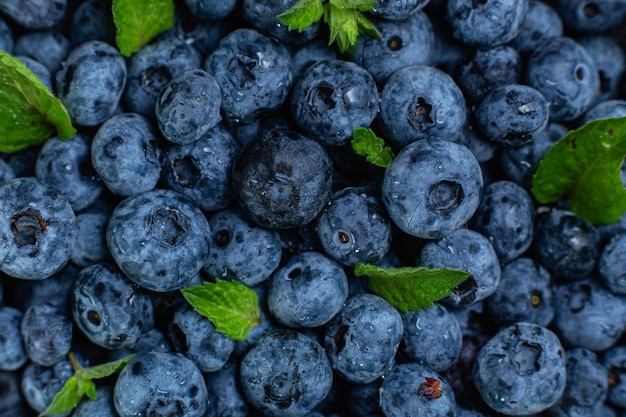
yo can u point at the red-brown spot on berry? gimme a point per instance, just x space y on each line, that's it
431 388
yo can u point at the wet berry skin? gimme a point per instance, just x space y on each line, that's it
47 333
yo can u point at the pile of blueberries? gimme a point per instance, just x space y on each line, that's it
221 150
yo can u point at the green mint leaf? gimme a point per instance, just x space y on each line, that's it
346 24
585 166
302 14
138 21
361 5
231 306
29 112
410 288
80 384
367 144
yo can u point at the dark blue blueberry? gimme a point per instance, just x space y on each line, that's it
484 23
282 179
524 294
160 384
65 166
361 341
420 102
354 228
586 387
159 239
513 114
54 290
540 23
432 337
152 341
47 333
101 406
413 389
91 82
109 309
331 99
403 43
285 374
35 15
308 54
521 370
253 72
6 172
11 399
397 10
432 188
487 69
39 69
567 76
610 61
37 231
92 20
307 291
614 361
7 40
469 251
482 147
91 246
12 350
188 106
151 68
241 250
591 16
505 216
262 15
225 393
588 315
565 244
211 9
518 163
125 153
202 169
50 48
41 383
605 110
610 265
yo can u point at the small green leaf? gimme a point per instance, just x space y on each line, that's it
105 369
231 306
367 144
410 288
361 5
29 112
585 166
138 21
302 14
64 400
346 24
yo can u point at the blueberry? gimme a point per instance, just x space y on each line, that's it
413 389
211 9
525 294
432 337
432 188
49 47
586 387
12 350
38 230
565 244
541 22
241 250
362 339
591 16
282 179
354 228
403 43
41 383
110 310
610 264
307 291
398 10
125 153
7 40
466 250
225 393
159 239
39 69
195 336
332 98
35 15
151 68
485 23
55 290
506 217
420 102
102 406
91 246
308 54
566 75
6 172
262 15
285 374
47 333
91 82
610 60
92 20
614 361
588 315
11 399
188 106
160 384
604 110
513 114
521 370
253 72
65 166
202 169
